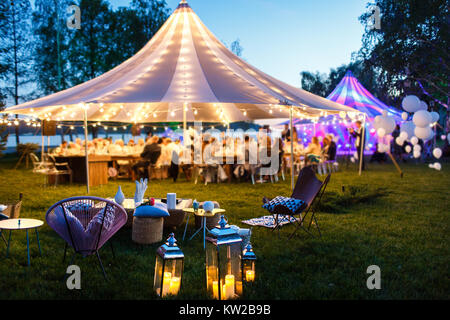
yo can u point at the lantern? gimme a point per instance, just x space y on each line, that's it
248 264
223 262
168 268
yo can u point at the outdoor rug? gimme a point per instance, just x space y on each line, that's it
269 221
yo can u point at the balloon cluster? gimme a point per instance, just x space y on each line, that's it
418 128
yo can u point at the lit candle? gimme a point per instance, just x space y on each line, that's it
166 283
239 287
174 285
250 275
215 285
229 286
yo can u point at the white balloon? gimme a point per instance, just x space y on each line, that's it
437 166
443 137
405 116
422 118
414 140
416 154
408 127
423 105
403 135
385 122
399 141
423 133
411 103
381 132
431 165
417 148
352 160
434 116
408 149
437 153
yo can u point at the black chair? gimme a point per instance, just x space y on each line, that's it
308 188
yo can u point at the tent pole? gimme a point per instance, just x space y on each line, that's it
292 148
184 120
363 137
86 149
42 146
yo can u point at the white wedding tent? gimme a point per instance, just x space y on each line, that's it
184 73
183 65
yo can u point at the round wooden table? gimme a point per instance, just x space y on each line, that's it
203 214
22 224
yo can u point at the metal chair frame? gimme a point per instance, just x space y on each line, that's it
97 248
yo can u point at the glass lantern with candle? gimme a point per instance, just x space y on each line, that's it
248 264
168 268
223 262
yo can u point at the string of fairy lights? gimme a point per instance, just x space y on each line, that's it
324 119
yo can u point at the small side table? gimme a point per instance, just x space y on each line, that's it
22 224
203 214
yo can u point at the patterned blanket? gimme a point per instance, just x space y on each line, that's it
269 221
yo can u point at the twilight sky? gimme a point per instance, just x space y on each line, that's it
284 37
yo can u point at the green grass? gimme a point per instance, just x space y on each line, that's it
401 225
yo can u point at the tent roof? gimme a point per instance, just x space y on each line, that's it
183 66
352 93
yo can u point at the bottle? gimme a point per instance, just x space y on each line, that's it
120 197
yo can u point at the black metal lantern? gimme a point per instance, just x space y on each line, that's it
168 268
223 262
248 264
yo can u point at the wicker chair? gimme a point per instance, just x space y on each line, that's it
86 224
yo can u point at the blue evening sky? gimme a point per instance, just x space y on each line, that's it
284 37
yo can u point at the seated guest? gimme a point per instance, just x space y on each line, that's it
62 149
74 149
139 147
332 149
150 155
117 147
313 150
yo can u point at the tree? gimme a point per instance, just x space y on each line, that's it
126 36
15 49
316 83
152 15
3 127
370 78
90 44
411 47
51 55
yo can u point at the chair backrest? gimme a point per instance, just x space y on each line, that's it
86 223
308 186
34 158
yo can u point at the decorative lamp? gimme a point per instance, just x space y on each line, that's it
223 262
248 264
168 268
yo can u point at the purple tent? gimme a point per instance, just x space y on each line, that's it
352 93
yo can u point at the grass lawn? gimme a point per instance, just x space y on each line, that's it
401 225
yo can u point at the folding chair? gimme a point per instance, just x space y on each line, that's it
308 188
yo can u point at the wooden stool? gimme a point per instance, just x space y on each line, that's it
147 230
